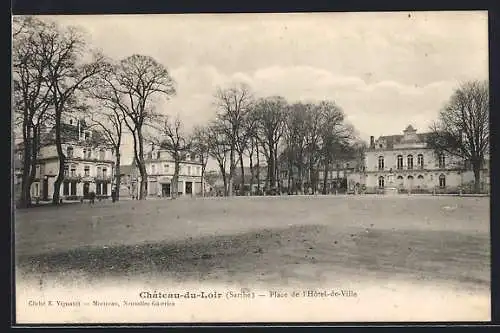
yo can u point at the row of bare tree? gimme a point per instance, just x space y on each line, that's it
301 138
56 73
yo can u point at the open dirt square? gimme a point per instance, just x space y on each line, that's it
417 245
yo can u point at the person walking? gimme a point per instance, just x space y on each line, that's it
113 194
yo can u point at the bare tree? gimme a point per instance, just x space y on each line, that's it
296 144
178 144
201 147
233 105
219 148
335 136
109 120
31 95
62 51
131 85
462 129
269 124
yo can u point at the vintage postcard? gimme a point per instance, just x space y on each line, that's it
222 168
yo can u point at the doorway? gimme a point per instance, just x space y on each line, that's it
165 190
189 187
86 190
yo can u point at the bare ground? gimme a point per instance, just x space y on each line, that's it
266 240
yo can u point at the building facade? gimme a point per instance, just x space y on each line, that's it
407 163
88 168
160 168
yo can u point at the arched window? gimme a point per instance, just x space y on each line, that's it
420 180
381 162
410 162
102 154
400 180
442 161
381 182
442 181
420 161
400 162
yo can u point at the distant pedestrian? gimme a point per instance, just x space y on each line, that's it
92 198
113 195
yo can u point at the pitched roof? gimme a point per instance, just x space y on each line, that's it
69 133
391 140
409 129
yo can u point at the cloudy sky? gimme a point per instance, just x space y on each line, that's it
386 70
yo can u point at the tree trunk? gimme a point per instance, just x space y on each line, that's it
118 176
231 171
258 170
203 165
476 167
271 171
325 178
175 179
242 187
143 190
251 173
224 179
62 158
25 197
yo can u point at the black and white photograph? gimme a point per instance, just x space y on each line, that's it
252 167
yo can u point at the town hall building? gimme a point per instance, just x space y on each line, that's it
405 162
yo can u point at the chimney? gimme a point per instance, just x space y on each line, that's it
372 141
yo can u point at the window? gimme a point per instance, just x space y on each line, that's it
400 162
153 169
73 171
20 155
105 189
165 168
104 172
381 162
158 155
347 165
99 172
381 182
87 135
400 180
86 171
102 154
198 170
69 152
73 188
420 161
84 152
37 190
442 161
410 162
193 156
442 181
66 170
66 188
89 153
98 188
189 170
